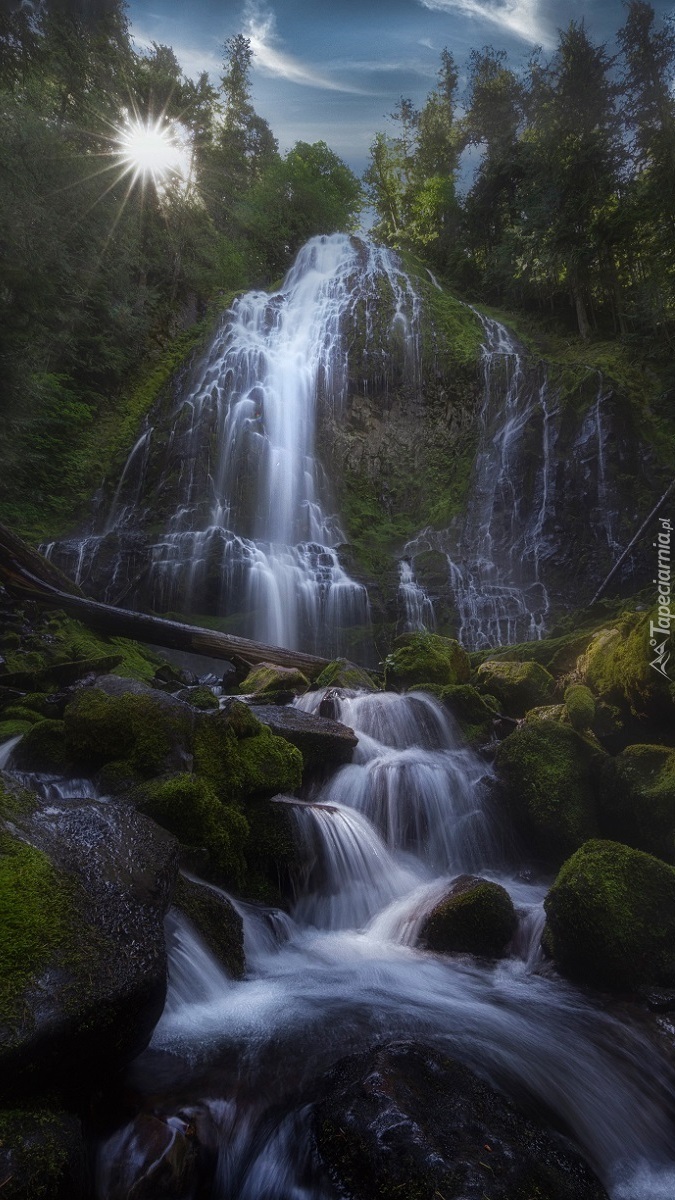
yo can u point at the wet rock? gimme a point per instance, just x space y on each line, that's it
610 917
321 741
42 748
637 799
153 1156
171 679
86 978
404 1120
268 679
475 916
216 921
341 673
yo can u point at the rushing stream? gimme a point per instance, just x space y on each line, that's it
381 839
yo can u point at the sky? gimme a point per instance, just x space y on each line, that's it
333 70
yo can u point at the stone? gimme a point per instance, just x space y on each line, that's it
518 686
321 741
475 916
637 799
216 921
419 658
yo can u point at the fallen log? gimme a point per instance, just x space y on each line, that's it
27 575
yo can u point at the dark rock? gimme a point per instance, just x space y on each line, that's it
404 1120
42 1154
89 1001
216 920
321 741
171 679
153 1156
474 917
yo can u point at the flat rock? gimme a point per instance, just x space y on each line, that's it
320 740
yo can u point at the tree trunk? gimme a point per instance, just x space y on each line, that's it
29 576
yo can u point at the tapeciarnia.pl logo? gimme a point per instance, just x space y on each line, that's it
661 626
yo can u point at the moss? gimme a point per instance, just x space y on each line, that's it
580 706
269 678
637 799
477 917
344 674
139 728
42 1154
255 764
420 658
11 729
36 912
43 748
547 712
190 809
517 686
273 856
616 667
611 917
40 703
474 713
200 697
17 712
550 776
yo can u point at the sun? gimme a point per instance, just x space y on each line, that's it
154 150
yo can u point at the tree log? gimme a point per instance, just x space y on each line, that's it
27 575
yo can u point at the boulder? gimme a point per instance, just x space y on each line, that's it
580 706
84 889
616 667
517 686
321 742
403 1120
475 714
154 1156
341 673
637 799
243 758
610 917
43 748
475 916
426 658
216 920
269 679
189 807
550 777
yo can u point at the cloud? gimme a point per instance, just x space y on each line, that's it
520 17
260 28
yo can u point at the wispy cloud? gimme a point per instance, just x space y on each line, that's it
521 17
260 28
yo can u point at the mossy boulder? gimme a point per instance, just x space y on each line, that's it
189 807
241 759
42 1155
405 1122
611 917
637 799
83 894
12 729
43 748
547 712
19 712
274 857
199 697
341 673
268 679
616 667
580 706
518 686
126 720
475 714
426 658
216 920
476 916
550 777
321 741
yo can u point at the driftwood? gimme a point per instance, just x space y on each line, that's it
28 576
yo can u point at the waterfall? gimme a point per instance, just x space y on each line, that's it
233 479
495 567
415 601
381 841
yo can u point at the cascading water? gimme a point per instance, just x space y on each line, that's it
248 532
415 600
382 839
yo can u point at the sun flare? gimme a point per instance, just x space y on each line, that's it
154 150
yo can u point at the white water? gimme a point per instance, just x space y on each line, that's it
415 600
382 840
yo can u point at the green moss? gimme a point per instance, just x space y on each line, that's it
616 667
141 729
344 674
611 917
190 809
17 712
255 764
580 706
550 776
41 1154
474 713
43 748
477 917
420 658
11 729
517 686
637 799
201 697
269 678
36 914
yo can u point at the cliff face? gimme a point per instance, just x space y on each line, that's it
358 428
